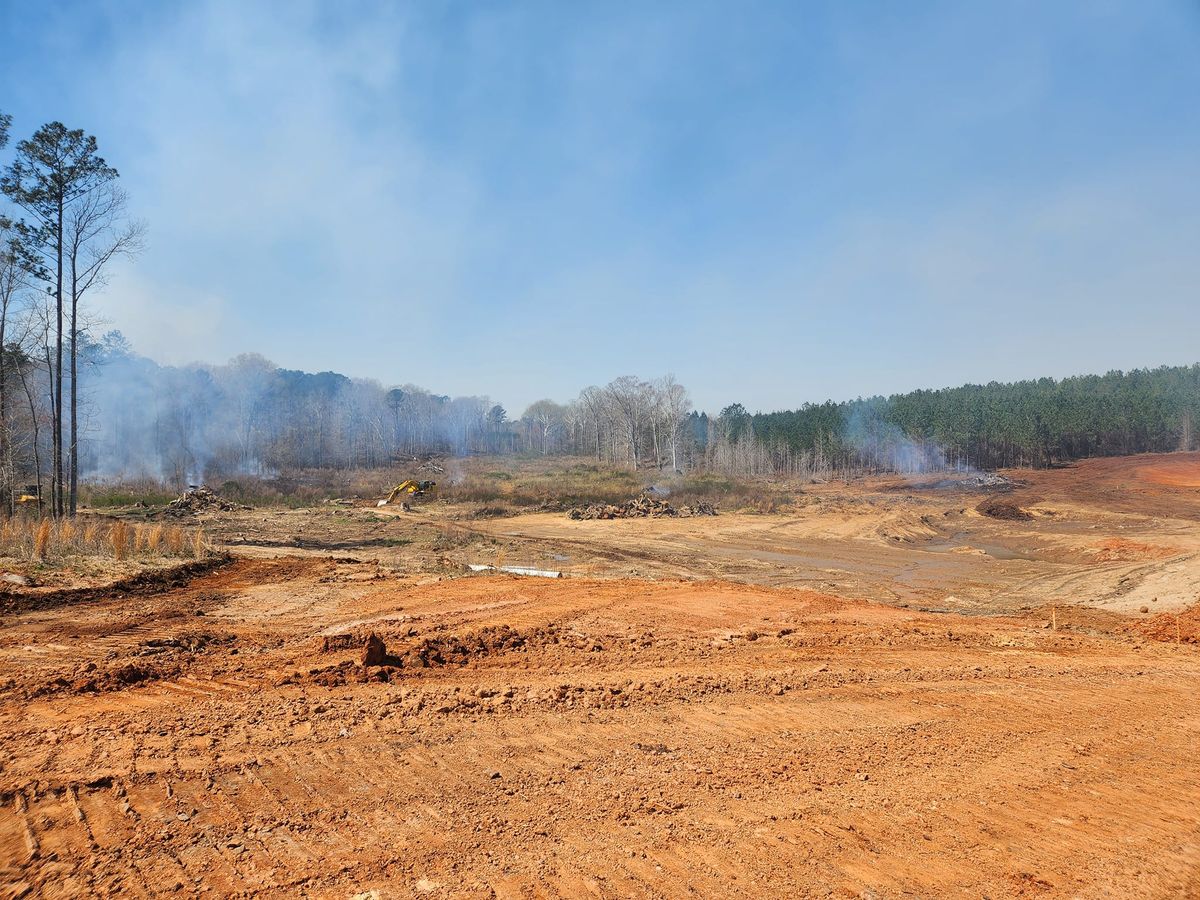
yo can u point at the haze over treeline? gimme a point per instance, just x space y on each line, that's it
250 417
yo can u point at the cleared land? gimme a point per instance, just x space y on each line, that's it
864 696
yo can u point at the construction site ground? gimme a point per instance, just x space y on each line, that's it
882 692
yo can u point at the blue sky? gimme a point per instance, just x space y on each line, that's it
777 202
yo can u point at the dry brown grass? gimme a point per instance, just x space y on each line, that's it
118 537
41 541
44 541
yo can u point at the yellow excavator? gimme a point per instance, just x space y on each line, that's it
409 488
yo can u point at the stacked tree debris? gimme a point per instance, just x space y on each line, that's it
988 481
643 507
198 499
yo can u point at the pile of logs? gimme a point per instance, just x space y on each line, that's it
643 507
196 499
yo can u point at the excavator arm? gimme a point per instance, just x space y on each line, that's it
417 488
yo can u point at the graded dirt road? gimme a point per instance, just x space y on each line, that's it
616 736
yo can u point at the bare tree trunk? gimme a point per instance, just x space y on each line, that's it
74 394
5 442
53 419
37 453
58 379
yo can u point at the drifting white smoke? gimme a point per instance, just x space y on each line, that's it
883 445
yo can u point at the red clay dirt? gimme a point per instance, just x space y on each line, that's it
614 736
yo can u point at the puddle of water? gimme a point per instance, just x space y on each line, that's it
958 541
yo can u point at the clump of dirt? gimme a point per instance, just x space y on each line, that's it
646 506
458 650
195 642
374 652
90 679
1003 508
376 663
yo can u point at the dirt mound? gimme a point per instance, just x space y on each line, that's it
458 650
646 506
442 651
1124 550
198 499
156 581
1001 508
1183 628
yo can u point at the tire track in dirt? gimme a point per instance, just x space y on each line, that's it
844 746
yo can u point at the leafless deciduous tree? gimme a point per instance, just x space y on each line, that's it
96 232
674 404
14 289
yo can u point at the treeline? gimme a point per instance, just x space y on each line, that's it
629 422
249 417
1025 423
202 423
198 423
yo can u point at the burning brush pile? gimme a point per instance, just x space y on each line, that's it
198 499
988 481
643 507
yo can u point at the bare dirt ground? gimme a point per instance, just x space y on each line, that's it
885 693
